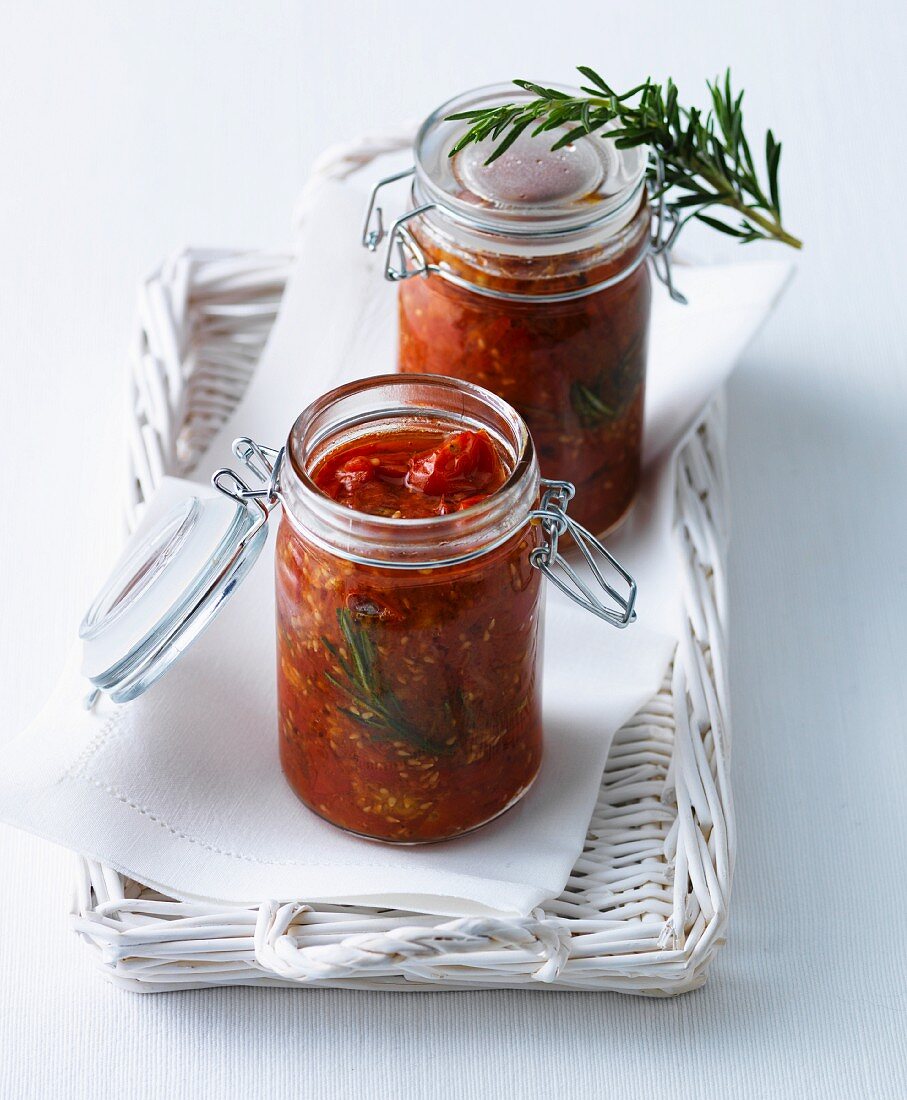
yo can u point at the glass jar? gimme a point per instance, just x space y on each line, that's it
528 277
408 647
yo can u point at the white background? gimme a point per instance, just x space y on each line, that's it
130 129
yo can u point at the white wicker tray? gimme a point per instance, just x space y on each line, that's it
645 908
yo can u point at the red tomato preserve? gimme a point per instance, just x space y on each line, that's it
409 692
574 369
409 475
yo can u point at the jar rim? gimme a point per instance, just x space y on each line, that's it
429 541
623 173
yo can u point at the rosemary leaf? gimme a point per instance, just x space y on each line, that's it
721 227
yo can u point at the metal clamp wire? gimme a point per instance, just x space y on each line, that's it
264 463
411 259
372 237
552 516
662 243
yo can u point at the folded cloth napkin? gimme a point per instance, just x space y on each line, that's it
182 790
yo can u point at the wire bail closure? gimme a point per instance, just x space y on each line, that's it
404 259
410 257
664 233
265 464
551 514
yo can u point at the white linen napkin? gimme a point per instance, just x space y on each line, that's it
182 790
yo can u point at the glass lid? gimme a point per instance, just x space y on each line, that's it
530 189
175 574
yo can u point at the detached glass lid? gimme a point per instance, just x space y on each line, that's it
530 189
169 584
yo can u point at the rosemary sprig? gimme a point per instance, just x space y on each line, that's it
375 705
588 406
706 157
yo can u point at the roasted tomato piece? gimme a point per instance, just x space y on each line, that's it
462 461
355 472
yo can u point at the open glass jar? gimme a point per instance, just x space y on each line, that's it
528 276
409 646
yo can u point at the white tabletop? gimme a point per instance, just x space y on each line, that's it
129 130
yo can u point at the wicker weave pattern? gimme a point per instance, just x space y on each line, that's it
645 907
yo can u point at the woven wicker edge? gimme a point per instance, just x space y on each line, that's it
645 908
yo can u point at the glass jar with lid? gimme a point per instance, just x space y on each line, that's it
414 536
528 276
